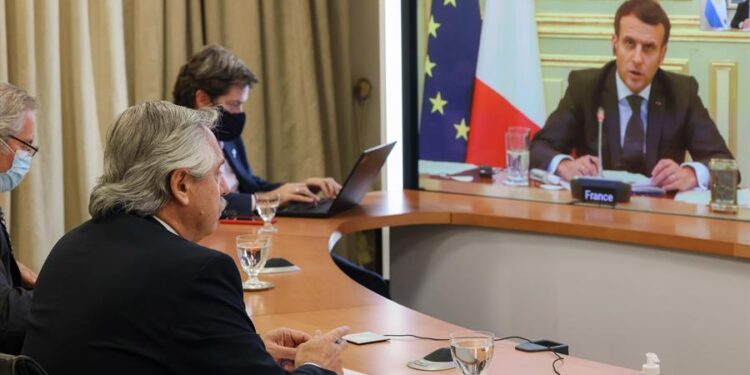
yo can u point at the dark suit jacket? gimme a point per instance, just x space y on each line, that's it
236 158
741 14
123 295
677 121
15 301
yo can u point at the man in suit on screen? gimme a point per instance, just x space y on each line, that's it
131 291
741 19
652 117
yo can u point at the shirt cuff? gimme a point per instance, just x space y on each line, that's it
252 204
311 363
702 175
556 161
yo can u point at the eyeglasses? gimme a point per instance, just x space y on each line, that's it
28 147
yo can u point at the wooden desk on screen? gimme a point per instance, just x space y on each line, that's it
321 297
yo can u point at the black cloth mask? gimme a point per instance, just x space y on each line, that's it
229 126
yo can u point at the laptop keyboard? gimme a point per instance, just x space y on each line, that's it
321 206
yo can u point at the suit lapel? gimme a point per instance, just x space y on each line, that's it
611 120
655 125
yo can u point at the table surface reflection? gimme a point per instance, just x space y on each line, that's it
494 187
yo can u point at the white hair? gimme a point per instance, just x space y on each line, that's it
14 103
146 143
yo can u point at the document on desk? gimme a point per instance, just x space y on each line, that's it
704 197
635 179
352 372
443 167
639 184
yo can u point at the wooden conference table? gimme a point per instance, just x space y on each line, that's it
321 297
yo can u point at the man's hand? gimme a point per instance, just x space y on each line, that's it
324 350
282 344
28 277
586 165
295 192
668 175
327 185
745 25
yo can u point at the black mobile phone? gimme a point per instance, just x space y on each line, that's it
543 346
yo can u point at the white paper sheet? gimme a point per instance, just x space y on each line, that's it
627 177
704 197
443 167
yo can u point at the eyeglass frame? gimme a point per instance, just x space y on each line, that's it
31 149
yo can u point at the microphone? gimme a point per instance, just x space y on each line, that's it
600 119
598 189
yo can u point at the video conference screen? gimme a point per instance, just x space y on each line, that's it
519 99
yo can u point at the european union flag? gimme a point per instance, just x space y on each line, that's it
450 66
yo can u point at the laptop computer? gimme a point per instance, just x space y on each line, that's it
354 189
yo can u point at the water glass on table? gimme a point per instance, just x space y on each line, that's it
517 156
252 251
472 351
266 205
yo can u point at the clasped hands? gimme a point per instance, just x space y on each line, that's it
667 174
292 348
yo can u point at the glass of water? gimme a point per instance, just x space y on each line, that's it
266 204
517 156
472 351
252 250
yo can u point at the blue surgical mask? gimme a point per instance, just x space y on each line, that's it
13 176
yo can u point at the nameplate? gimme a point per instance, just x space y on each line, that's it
599 196
600 191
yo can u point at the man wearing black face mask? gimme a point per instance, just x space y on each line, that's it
214 77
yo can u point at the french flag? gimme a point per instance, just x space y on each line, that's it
508 83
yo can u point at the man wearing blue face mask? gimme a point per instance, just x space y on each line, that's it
17 126
214 77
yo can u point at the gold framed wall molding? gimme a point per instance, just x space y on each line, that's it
600 26
723 100
677 65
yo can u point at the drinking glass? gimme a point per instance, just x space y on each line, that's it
517 156
266 204
252 250
472 351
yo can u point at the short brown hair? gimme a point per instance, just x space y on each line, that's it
647 11
214 70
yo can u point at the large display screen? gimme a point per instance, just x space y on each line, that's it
518 99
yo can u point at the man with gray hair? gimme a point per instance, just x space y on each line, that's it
160 303
17 125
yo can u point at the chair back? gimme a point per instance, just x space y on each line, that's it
19 365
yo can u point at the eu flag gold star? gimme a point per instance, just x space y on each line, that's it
438 103
433 27
451 2
462 131
428 65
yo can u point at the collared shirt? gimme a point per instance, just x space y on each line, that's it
625 111
701 171
228 174
167 226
